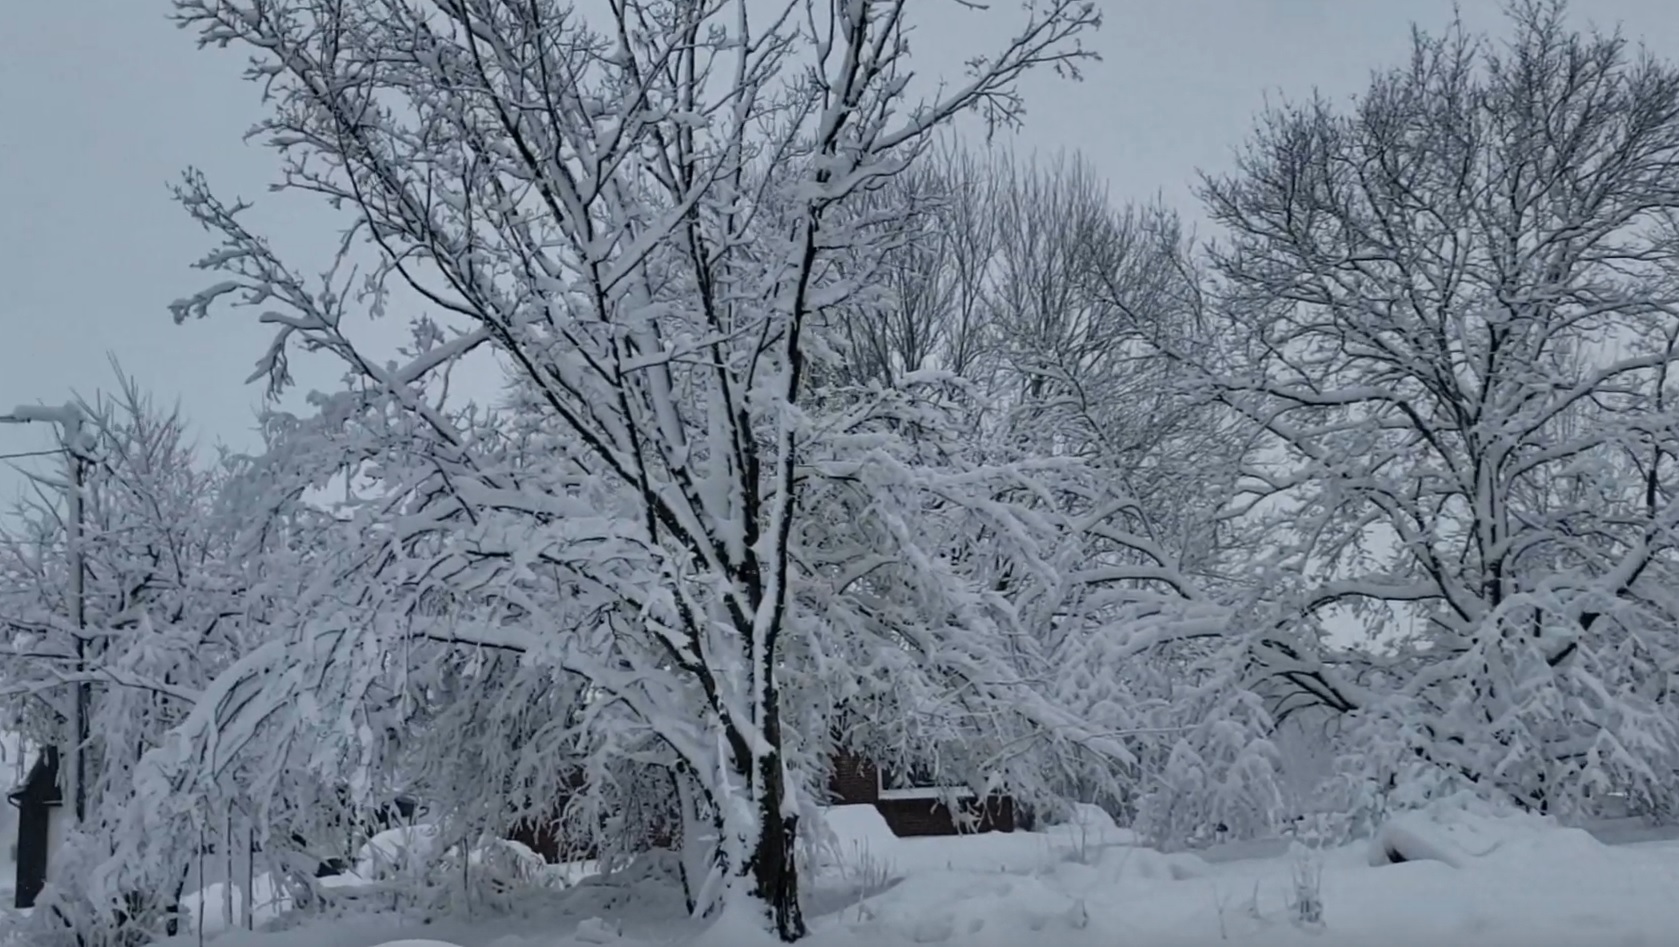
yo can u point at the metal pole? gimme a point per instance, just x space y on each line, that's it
68 418
72 428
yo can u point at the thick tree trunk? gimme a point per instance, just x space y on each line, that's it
774 870
761 865
759 889
762 876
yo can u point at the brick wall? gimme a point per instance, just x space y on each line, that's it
547 840
854 780
920 817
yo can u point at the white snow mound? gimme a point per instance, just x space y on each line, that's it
1459 836
1092 817
855 836
859 825
966 907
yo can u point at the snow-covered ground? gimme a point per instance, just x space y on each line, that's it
1474 881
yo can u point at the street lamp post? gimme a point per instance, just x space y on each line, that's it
68 418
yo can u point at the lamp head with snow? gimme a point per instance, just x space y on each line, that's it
67 415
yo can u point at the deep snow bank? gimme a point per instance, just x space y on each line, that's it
1517 881
1458 835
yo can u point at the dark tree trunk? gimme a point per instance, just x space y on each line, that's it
771 865
775 870
775 873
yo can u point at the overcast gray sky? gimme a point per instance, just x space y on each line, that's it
104 102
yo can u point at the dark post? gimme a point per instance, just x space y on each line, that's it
35 800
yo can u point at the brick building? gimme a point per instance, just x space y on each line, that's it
911 805
915 804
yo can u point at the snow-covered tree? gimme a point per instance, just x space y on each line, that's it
1064 311
1022 277
652 220
126 645
1452 324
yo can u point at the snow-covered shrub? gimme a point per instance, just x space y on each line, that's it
1305 903
864 874
399 852
1218 780
1381 767
74 910
496 873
